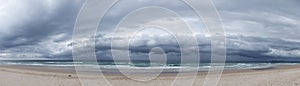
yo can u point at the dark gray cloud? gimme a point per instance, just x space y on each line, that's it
262 48
42 23
255 30
36 28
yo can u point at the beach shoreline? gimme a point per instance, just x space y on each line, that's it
36 76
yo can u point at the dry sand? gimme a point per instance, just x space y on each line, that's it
37 76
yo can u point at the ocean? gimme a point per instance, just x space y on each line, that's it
112 67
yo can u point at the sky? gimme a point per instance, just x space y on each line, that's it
255 30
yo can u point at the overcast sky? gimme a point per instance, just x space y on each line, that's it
256 30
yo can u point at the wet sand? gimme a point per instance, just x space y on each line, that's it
40 76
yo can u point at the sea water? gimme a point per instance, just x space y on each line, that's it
112 67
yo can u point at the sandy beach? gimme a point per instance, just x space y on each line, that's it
38 76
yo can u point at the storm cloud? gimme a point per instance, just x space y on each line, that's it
255 30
